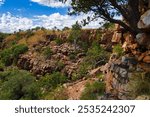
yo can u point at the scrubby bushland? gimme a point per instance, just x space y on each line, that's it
95 56
139 84
118 50
3 36
47 52
93 91
10 55
18 84
51 81
59 41
57 94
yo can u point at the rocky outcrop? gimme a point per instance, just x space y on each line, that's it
144 22
143 39
116 77
59 60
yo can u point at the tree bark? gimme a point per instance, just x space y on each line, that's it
148 4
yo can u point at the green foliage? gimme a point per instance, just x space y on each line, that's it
19 49
95 56
59 66
108 10
93 91
2 66
51 81
57 94
59 41
108 25
139 84
75 33
2 36
47 52
10 55
18 84
118 50
65 28
72 55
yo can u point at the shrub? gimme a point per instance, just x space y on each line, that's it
59 41
118 50
96 56
57 94
47 52
72 55
2 66
59 65
6 57
18 84
92 91
51 81
10 55
19 49
82 71
75 34
3 36
139 84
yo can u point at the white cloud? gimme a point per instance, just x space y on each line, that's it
9 23
2 2
61 21
52 3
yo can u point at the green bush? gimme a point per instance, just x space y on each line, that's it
139 84
51 81
95 56
59 41
2 66
57 94
10 55
59 66
3 36
18 84
118 50
6 57
93 91
47 52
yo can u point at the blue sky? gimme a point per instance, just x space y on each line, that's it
25 14
28 8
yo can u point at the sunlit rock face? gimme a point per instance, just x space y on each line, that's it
144 20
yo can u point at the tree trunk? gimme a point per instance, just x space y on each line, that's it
148 4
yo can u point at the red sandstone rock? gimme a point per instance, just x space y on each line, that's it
146 59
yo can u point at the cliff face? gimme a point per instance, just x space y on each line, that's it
119 72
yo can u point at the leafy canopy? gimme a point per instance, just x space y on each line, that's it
108 10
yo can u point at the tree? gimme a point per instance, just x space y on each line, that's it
130 10
18 84
75 33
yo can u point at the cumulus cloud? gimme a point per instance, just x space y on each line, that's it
10 23
2 2
52 3
61 21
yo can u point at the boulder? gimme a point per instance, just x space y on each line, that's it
146 59
145 20
116 37
140 58
143 39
